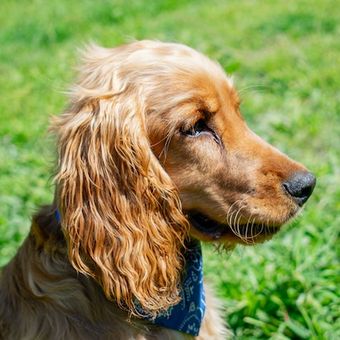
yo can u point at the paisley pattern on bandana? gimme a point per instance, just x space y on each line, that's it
187 315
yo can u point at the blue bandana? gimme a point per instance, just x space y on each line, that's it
187 315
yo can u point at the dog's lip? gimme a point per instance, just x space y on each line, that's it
216 230
208 226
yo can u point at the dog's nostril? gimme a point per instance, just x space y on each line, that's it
300 186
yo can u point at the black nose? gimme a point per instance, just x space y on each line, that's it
300 186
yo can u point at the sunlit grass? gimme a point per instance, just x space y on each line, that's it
284 56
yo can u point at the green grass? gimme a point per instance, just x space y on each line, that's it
285 58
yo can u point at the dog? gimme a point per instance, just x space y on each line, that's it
153 157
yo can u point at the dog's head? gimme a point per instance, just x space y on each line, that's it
152 148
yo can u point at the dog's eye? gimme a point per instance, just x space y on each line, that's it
199 129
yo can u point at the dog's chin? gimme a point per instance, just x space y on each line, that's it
206 229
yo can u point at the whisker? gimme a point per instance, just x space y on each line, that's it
257 87
247 226
259 232
247 238
229 217
238 224
165 149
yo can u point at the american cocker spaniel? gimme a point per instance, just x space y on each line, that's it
153 157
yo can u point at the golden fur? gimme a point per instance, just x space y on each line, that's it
131 169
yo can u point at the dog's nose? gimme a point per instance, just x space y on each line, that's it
300 186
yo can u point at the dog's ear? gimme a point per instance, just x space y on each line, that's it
120 212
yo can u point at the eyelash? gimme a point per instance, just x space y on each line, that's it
201 128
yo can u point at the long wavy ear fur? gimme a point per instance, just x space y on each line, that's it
120 212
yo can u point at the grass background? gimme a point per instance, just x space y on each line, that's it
285 58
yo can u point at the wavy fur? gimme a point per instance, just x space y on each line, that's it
115 198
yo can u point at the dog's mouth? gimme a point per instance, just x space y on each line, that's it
246 233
